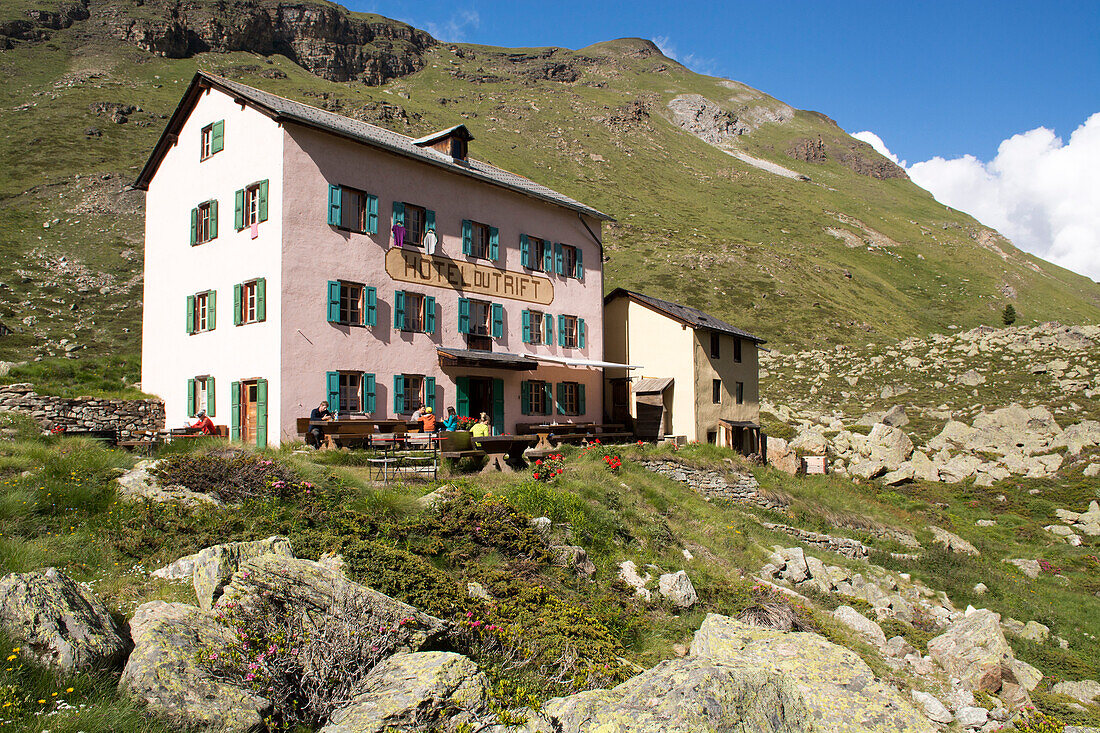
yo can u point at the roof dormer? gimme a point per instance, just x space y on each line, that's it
453 141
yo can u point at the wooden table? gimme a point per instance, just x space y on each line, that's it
504 451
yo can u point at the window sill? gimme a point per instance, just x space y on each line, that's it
349 230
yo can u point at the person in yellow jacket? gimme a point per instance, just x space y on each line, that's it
481 427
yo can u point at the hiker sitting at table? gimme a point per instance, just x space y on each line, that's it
204 425
450 423
416 416
481 427
427 420
316 432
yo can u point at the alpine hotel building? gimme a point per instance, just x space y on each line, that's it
294 255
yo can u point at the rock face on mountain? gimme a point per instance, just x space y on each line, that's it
324 38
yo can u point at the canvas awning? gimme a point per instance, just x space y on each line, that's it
484 360
651 385
566 361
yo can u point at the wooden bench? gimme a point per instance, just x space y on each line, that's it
458 445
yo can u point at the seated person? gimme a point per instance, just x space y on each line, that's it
427 420
481 427
204 425
316 432
419 413
450 423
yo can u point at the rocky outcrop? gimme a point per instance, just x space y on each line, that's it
421 691
59 623
324 38
212 568
705 119
1086 690
164 670
974 650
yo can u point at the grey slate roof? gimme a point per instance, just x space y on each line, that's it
282 109
689 316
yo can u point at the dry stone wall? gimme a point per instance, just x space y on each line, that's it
128 417
741 488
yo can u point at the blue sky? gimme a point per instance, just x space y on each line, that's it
930 78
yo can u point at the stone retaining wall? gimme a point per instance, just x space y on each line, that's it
714 484
128 417
841 545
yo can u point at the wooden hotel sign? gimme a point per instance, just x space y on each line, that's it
412 266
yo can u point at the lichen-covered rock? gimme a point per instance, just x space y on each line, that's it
322 593
864 627
1028 677
837 688
163 670
974 650
140 483
932 707
1086 690
59 623
213 566
428 690
677 588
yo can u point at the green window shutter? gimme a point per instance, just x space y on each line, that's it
494 244
526 327
368 392
372 214
210 397
579 272
561 330
261 413
429 220
398 394
548 328
525 397
498 320
398 216
238 215
211 309
333 301
429 315
263 200
580 400
548 393
237 304
547 258
462 396
429 392
194 226
463 315
467 236
261 299
559 259
399 310
334 196
371 316
235 411
498 406
217 137
581 338
190 314
332 390
213 219
560 399
524 251
191 398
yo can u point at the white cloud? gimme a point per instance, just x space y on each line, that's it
456 28
694 62
1040 192
876 142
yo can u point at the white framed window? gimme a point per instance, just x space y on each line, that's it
479 240
252 205
542 252
537 331
204 232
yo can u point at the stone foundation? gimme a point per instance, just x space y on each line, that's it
740 488
127 417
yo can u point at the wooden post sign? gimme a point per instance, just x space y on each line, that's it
413 266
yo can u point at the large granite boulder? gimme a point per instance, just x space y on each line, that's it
421 691
837 688
59 623
889 445
164 670
782 457
864 627
677 588
974 650
322 595
212 567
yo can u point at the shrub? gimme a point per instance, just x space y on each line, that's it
1035 721
230 478
549 467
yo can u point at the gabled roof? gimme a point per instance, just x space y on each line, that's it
458 131
684 314
286 110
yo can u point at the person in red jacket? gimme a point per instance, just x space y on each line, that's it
204 425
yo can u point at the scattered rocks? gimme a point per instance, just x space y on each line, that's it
59 623
628 573
572 556
974 650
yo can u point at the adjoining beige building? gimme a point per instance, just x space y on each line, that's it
699 376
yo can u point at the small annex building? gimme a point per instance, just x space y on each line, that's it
699 377
319 257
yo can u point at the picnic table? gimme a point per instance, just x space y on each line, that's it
504 451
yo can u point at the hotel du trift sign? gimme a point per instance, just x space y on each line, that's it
411 266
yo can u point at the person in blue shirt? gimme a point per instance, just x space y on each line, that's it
450 423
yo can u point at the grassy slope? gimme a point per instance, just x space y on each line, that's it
693 224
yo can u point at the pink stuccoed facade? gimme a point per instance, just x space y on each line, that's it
300 347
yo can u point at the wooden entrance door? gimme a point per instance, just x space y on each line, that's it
620 401
248 412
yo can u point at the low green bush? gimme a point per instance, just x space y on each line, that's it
230 478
